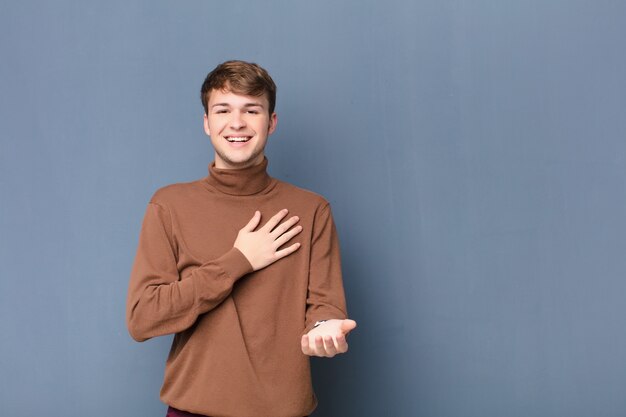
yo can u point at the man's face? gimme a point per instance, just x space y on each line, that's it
238 126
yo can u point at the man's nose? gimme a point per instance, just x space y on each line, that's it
237 122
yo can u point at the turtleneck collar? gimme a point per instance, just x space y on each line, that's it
245 181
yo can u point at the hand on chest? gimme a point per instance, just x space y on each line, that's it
211 230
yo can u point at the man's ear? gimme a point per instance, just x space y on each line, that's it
206 125
273 123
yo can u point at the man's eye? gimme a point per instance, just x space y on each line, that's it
253 112
221 111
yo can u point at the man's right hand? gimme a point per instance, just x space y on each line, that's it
261 247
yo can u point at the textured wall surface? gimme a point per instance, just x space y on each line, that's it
474 154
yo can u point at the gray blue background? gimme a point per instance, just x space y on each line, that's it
474 153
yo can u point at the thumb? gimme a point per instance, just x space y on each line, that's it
253 223
347 326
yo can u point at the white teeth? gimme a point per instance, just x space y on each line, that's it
238 139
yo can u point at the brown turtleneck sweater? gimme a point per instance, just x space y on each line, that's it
236 350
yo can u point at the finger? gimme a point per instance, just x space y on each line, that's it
347 326
276 218
287 251
319 346
253 223
329 346
342 345
304 344
286 237
283 227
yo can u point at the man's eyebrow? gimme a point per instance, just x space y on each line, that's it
245 105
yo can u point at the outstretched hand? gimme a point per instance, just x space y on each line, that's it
328 339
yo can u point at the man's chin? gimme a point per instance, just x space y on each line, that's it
238 163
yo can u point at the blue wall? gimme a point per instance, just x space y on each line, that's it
474 153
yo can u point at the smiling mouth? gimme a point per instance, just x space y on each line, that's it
238 139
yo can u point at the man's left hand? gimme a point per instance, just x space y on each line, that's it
327 339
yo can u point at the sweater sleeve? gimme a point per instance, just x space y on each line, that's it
325 297
158 301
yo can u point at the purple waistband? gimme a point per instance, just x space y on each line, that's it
173 412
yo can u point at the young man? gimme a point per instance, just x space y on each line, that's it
243 268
